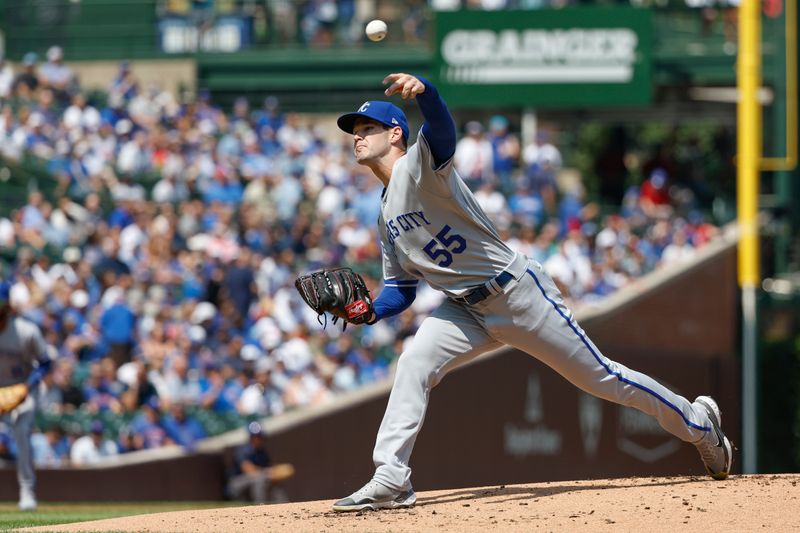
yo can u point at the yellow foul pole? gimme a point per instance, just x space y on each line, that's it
748 158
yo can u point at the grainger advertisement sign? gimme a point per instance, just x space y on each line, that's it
587 56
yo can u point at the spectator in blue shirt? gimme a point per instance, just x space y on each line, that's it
505 149
49 448
270 117
239 285
526 206
124 86
147 429
225 188
118 328
182 429
216 391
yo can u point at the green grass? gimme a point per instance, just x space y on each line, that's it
63 513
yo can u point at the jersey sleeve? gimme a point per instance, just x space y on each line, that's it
428 176
393 273
35 346
439 128
38 354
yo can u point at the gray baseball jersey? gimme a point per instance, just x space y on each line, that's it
21 346
432 228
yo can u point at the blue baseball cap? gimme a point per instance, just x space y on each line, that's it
386 113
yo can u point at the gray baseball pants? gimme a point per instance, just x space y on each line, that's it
21 419
528 314
254 485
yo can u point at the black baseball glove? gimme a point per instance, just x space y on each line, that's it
340 292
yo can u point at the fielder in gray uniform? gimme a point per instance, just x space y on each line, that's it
24 358
433 229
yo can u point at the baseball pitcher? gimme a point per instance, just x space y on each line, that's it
432 228
24 360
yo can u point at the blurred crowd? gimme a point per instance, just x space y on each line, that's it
318 23
161 267
323 23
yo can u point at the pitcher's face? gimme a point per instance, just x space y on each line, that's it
371 140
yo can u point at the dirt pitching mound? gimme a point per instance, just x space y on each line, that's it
742 503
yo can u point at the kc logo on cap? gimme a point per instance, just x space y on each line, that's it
386 113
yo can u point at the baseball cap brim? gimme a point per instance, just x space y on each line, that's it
348 121
382 112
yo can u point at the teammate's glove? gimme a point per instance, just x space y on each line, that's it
12 396
341 292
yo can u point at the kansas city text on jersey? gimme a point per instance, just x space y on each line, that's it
406 222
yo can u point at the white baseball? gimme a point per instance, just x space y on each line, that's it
376 30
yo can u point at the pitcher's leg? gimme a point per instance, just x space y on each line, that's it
447 339
549 333
26 475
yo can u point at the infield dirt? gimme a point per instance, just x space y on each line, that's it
686 504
